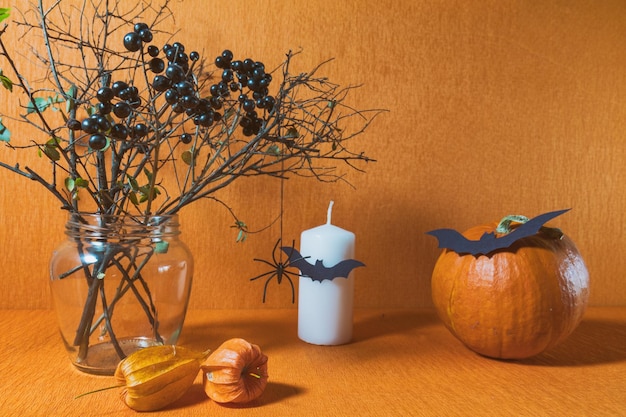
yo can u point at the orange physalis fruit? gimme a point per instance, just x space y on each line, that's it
156 376
235 372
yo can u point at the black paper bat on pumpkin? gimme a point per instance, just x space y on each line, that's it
488 242
317 271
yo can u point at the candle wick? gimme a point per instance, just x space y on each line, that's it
330 210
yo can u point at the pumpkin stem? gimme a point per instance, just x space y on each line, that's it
504 227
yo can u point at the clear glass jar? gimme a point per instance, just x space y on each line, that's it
119 284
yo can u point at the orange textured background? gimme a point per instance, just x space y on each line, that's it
496 107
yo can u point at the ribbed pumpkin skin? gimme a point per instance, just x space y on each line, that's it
514 303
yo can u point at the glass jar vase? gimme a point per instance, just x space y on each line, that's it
119 283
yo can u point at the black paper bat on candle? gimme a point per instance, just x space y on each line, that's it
317 271
488 242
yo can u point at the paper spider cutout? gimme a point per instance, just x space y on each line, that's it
279 270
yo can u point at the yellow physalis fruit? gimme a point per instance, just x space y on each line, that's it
235 372
156 376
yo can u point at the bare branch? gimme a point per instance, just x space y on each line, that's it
149 129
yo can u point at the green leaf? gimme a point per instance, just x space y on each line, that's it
81 183
41 104
292 133
51 149
5 12
6 82
148 193
55 100
70 184
274 150
52 153
187 157
134 185
71 103
148 174
5 133
243 230
161 247
133 198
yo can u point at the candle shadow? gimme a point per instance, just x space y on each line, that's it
379 324
269 333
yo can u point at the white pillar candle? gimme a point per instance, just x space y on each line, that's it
325 307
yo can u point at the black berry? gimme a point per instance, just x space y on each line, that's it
186 138
140 26
189 102
104 108
140 130
145 35
121 109
73 124
132 41
248 105
153 51
156 65
105 94
119 131
102 123
227 55
118 86
171 96
175 73
161 83
97 141
89 125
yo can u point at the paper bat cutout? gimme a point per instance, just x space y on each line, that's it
488 242
319 272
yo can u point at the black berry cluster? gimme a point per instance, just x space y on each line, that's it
249 80
173 79
120 100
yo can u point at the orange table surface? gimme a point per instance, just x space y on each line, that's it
400 363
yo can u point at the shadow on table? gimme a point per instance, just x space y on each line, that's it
594 342
269 332
276 331
378 324
274 392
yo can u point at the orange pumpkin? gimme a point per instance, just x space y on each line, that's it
235 372
513 303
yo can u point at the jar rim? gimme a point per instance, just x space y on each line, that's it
90 214
139 219
106 226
